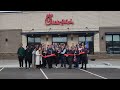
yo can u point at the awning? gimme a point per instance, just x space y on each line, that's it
62 33
112 33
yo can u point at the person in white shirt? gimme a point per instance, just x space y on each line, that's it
33 57
38 62
63 60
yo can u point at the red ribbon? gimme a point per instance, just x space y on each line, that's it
82 52
52 55
68 55
74 54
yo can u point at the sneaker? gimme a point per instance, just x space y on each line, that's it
81 68
69 68
19 67
85 68
61 67
56 67
44 67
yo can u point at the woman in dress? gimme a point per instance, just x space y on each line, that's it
38 62
33 57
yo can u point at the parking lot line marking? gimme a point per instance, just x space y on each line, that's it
93 74
1 68
44 74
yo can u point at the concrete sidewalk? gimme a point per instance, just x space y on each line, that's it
99 63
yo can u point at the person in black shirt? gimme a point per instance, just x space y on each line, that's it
66 53
28 56
63 60
31 48
84 57
49 59
21 55
44 53
70 58
56 52
76 57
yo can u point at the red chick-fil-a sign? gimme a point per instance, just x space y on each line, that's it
50 21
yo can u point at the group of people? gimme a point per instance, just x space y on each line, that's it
40 56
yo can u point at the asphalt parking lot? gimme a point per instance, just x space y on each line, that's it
60 73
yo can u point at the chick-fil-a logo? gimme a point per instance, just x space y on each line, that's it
49 21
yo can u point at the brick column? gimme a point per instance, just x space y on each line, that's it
75 40
24 41
96 43
44 37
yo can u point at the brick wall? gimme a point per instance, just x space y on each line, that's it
8 49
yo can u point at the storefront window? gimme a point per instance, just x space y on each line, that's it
30 40
109 44
37 40
82 39
89 38
88 41
33 40
113 44
116 38
59 39
108 37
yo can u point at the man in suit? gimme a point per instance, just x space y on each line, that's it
84 57
63 60
49 59
21 55
28 56
70 57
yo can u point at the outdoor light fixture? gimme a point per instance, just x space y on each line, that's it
102 38
46 37
71 37
6 40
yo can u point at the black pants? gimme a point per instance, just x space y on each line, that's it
20 60
27 60
70 60
83 64
67 60
56 60
49 61
84 61
30 61
63 61
44 62
38 66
